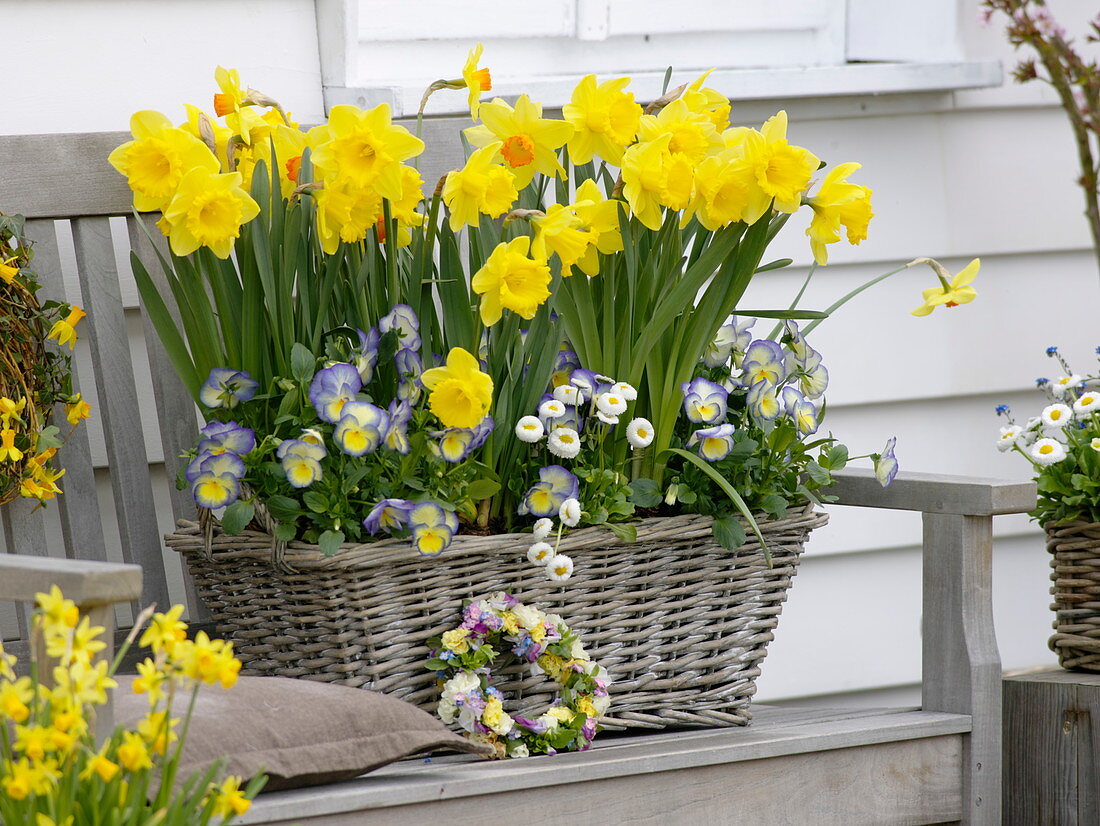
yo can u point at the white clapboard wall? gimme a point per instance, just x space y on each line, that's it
956 175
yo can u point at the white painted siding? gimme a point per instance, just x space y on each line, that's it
956 175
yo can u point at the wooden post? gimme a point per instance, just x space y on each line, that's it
962 666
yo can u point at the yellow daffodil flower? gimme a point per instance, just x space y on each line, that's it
476 80
511 280
208 210
710 102
229 800
403 209
561 232
605 118
150 681
345 213
783 171
231 97
165 631
56 612
15 699
838 203
100 765
79 646
77 410
528 140
364 148
726 191
690 133
155 161
210 132
10 409
157 730
460 393
8 451
8 270
645 171
948 294
133 754
482 186
64 330
600 217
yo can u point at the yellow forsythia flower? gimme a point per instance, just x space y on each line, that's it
208 211
783 171
528 140
952 294
363 148
511 280
482 186
836 204
156 160
77 410
460 393
605 118
477 80
64 329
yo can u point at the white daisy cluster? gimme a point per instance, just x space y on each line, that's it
586 399
557 567
1068 422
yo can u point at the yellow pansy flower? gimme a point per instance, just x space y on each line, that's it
460 393
476 80
511 280
229 800
364 148
456 640
528 140
155 161
208 210
690 133
482 186
783 171
838 203
605 118
8 451
952 294
64 329
8 270
77 410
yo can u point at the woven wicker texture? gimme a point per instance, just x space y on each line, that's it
1075 572
680 623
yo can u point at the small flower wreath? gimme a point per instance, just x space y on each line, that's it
502 625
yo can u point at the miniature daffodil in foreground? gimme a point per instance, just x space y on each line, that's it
950 293
64 330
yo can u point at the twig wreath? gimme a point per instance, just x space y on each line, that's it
502 625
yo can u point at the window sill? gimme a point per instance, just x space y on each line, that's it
850 80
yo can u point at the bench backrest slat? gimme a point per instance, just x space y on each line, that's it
118 404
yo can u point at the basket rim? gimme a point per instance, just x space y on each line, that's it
187 538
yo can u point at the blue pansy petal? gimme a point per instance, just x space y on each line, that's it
388 515
704 401
561 480
213 491
404 322
764 360
332 388
886 466
226 463
301 471
762 401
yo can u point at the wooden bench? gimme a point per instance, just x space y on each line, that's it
940 763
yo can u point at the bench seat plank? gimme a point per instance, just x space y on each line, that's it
907 757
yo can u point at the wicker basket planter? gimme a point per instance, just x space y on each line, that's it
680 623
1075 574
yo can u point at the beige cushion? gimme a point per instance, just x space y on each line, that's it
300 733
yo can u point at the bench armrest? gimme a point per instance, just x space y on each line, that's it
87 583
933 493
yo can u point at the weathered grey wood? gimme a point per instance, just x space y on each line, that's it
961 663
818 766
24 533
85 582
933 493
78 506
175 407
1044 734
444 148
58 176
129 466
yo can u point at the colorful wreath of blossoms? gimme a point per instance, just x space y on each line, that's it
502 625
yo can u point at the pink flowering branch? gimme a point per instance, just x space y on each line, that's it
1076 81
